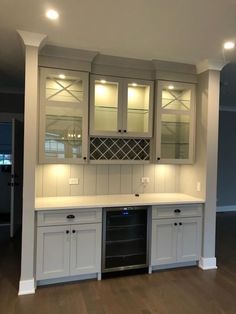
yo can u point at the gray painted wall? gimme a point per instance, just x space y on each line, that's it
226 189
226 186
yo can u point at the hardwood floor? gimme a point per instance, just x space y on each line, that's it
181 291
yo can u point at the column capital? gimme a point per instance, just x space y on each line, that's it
32 39
210 64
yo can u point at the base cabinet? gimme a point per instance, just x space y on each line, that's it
68 250
176 240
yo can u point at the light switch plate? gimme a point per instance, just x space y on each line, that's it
73 181
145 179
198 186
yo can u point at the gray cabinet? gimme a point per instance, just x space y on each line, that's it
121 107
175 123
176 240
68 249
63 116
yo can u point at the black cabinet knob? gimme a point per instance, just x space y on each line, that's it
125 131
70 216
175 224
180 223
177 211
73 231
119 131
84 158
67 231
158 158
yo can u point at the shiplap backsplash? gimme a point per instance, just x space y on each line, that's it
53 180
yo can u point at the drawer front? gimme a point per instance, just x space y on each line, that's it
61 217
175 211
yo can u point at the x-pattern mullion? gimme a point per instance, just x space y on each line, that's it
65 88
176 98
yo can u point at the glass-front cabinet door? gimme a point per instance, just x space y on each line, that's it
63 116
175 122
138 111
105 108
120 107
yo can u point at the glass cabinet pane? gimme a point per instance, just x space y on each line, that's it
106 106
175 136
138 108
63 116
175 98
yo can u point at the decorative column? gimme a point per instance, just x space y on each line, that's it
208 102
32 43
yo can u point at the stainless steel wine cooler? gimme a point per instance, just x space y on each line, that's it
125 238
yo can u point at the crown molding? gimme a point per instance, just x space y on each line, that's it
210 64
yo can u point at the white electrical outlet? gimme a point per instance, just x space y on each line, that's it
73 181
145 179
198 186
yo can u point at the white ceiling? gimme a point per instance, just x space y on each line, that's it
179 30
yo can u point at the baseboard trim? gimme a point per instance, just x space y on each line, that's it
222 209
44 282
26 287
207 263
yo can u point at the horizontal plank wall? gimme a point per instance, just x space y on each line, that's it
53 180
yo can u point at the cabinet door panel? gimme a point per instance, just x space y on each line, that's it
85 249
163 242
189 240
53 252
63 116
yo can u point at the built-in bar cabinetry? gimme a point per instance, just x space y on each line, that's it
68 243
63 116
176 234
175 123
121 107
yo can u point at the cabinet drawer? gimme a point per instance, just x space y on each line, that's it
175 211
61 217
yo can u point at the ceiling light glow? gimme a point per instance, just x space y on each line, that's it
52 14
229 45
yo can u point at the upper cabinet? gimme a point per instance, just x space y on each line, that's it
63 116
175 123
121 107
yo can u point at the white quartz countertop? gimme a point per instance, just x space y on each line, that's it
97 201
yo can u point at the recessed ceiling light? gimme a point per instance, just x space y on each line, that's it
134 84
62 76
103 81
171 87
229 45
52 14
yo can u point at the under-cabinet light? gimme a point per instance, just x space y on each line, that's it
62 76
229 45
134 84
52 14
103 81
171 87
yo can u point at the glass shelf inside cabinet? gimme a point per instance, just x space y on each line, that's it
175 136
105 105
176 98
138 108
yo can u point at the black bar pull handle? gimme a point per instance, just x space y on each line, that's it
177 210
70 216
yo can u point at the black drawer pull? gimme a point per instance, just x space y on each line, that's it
180 223
73 231
67 231
70 216
177 211
175 224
